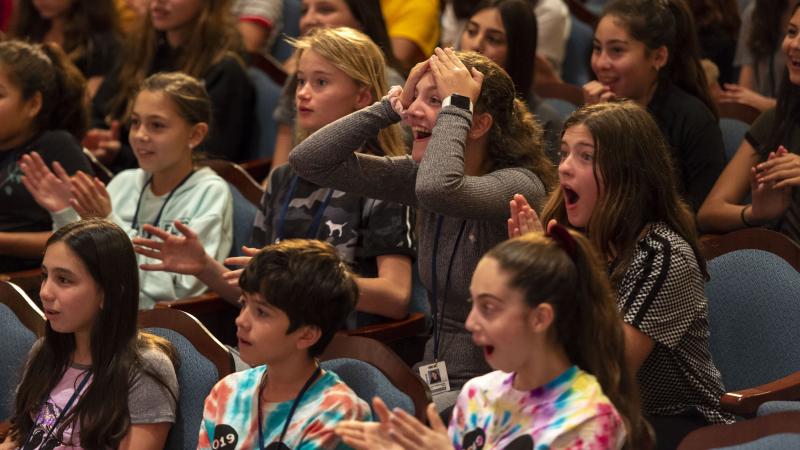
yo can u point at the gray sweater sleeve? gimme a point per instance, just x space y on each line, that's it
328 158
437 184
443 188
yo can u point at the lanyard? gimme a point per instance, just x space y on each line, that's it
280 444
64 410
437 319
313 229
135 223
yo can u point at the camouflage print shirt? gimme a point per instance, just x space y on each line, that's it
360 228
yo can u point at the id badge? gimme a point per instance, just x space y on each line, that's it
435 375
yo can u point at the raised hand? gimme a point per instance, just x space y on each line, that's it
179 254
782 169
597 92
52 191
104 144
523 218
406 96
369 435
452 76
90 197
769 202
232 277
740 94
412 434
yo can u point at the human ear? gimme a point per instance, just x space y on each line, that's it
33 105
198 134
660 57
481 124
364 97
541 317
307 336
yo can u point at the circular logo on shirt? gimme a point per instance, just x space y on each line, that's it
474 440
225 437
521 443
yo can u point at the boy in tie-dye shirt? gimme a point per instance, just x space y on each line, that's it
296 295
570 412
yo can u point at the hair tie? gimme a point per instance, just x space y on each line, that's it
561 235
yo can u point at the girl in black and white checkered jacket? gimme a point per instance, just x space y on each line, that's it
616 182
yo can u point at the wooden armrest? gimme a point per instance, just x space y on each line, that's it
722 435
413 325
746 402
208 303
258 168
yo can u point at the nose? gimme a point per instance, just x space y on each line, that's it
600 59
242 319
302 92
308 22
45 291
565 166
416 108
471 323
474 44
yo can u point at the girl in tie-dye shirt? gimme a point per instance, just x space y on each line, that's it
543 312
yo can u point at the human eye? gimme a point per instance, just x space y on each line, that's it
562 154
791 32
157 125
135 122
322 82
496 40
435 100
616 50
596 47
587 156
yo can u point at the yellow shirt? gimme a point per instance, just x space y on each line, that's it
416 20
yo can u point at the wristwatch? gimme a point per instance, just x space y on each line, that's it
458 101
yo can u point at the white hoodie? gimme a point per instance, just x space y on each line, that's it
203 203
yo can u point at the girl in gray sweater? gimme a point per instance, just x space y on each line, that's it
463 170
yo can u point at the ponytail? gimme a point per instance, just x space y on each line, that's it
667 23
563 270
45 69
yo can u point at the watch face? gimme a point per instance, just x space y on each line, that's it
460 101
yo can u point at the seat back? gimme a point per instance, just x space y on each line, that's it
754 308
733 131
262 138
368 382
575 68
291 28
203 361
387 362
244 214
21 323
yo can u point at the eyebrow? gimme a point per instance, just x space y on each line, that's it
57 270
149 116
489 296
315 72
612 41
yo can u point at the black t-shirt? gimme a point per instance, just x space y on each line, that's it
695 139
19 211
232 98
100 55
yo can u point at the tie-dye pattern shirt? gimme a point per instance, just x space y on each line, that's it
230 418
570 412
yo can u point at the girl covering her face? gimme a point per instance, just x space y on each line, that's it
462 172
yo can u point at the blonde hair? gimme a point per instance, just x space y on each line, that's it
355 54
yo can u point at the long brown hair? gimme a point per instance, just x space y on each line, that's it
213 37
116 346
567 274
355 54
639 183
515 138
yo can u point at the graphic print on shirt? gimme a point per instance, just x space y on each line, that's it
476 439
225 438
42 425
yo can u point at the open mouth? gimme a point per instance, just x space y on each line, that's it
488 349
421 133
570 197
794 62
